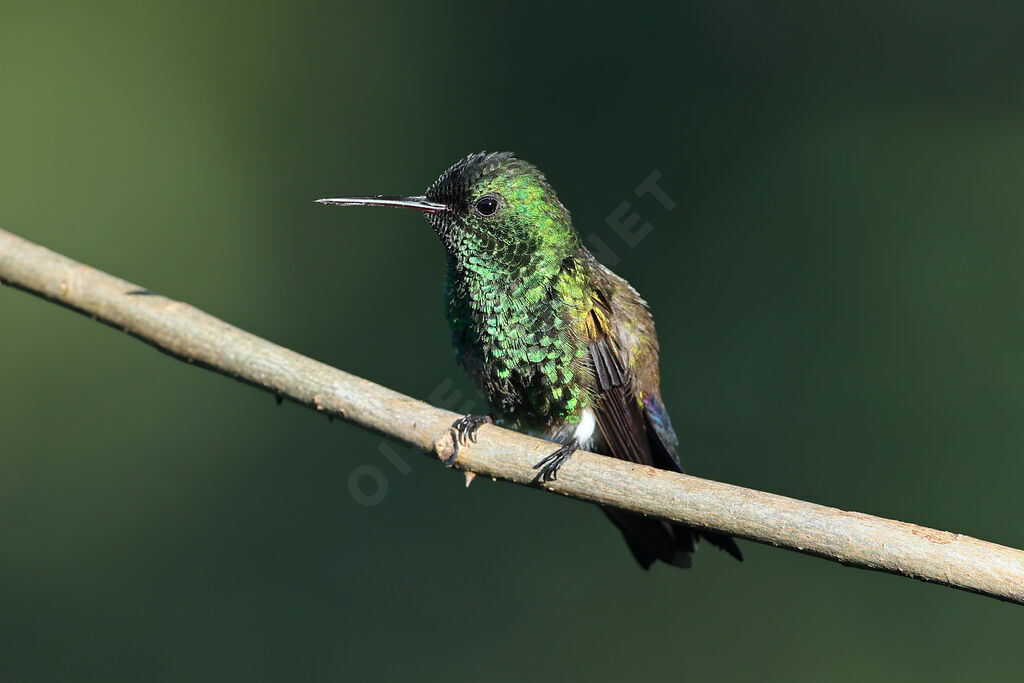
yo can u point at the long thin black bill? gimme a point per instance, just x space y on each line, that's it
418 203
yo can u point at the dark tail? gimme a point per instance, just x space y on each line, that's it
652 539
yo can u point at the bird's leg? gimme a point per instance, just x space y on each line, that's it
550 465
463 431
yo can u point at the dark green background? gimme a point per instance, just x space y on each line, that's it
838 293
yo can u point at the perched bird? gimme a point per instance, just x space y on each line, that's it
560 346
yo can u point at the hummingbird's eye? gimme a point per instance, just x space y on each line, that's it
487 205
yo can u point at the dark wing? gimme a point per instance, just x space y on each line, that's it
618 415
631 418
636 428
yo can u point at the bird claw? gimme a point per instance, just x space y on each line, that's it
463 433
550 464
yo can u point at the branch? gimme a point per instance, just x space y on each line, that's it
188 334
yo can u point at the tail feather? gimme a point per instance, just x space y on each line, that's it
651 539
723 542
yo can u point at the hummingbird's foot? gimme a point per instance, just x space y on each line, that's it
463 431
550 465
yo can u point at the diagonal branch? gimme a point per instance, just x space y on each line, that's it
188 334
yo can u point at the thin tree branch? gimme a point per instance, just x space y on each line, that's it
187 333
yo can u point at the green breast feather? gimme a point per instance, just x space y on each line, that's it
518 335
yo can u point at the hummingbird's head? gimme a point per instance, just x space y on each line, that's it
490 210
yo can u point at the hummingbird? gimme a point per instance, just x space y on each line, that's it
560 346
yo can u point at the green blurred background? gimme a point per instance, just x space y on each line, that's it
838 294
